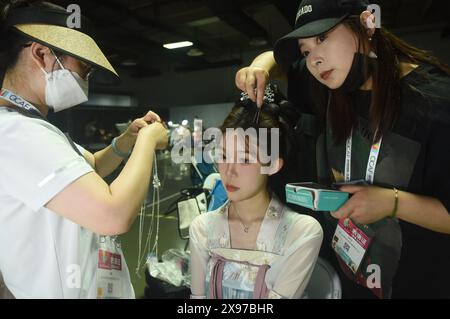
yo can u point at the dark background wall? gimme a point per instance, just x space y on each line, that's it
228 33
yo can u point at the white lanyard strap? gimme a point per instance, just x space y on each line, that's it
19 102
348 157
371 163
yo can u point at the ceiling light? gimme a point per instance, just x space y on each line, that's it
177 45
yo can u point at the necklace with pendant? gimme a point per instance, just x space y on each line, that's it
245 227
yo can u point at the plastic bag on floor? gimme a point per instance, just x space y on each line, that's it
174 268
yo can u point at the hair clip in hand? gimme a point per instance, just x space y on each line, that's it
269 95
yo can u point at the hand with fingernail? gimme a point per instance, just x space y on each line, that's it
368 204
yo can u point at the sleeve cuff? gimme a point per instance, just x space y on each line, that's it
57 181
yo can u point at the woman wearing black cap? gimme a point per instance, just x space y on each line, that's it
53 200
383 109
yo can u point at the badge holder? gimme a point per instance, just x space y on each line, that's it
351 243
109 268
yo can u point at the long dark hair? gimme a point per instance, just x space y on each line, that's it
13 42
386 90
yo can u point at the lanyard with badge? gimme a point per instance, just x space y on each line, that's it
351 241
109 266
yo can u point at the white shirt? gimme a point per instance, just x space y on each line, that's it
42 254
296 238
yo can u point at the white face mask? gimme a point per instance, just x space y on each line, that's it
64 89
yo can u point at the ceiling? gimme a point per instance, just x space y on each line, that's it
132 32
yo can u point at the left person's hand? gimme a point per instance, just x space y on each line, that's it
135 126
368 204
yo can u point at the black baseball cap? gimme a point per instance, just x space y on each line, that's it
314 17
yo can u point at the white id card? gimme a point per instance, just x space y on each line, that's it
350 243
109 269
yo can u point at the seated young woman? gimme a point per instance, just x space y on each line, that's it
253 246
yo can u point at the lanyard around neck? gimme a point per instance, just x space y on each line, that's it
30 110
371 163
20 103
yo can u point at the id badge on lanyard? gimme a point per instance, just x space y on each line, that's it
109 268
351 241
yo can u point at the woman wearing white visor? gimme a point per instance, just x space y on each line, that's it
58 217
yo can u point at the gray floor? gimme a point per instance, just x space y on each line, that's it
173 179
